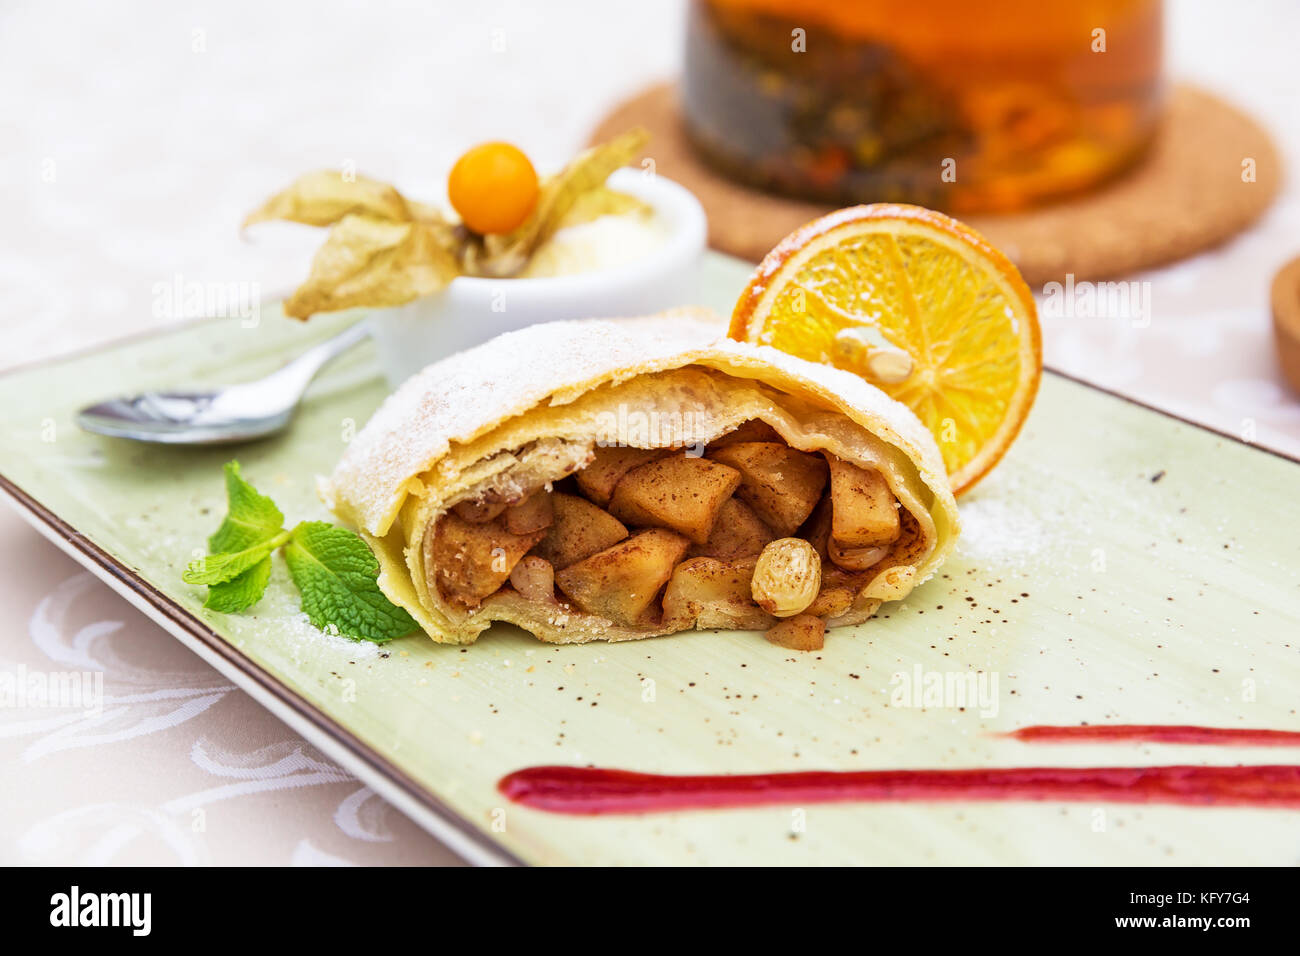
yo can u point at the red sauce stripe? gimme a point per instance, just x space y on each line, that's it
591 790
1159 734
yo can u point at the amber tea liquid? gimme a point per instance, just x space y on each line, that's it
960 105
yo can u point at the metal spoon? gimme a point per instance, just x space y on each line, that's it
231 413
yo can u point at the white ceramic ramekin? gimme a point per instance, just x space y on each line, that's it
472 310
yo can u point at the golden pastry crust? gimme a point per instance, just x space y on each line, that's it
532 406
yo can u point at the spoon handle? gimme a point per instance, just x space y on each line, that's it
298 373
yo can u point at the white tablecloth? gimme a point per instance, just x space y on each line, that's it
133 138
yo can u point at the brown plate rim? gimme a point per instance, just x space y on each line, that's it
376 764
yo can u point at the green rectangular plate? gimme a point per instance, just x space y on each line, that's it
1119 566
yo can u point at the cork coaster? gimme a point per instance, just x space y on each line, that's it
1185 196
1286 321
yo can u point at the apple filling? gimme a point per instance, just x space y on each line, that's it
754 534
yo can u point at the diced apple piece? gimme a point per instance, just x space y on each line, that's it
471 561
599 478
534 513
737 533
753 430
830 601
534 578
620 583
834 576
680 493
780 483
864 512
706 592
578 530
817 529
802 633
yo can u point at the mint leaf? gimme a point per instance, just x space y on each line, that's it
336 573
220 568
251 517
332 567
242 592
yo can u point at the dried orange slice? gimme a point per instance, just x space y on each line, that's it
919 305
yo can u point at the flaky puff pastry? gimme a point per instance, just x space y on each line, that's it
529 407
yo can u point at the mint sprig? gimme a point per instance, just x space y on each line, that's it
332 567
242 592
251 518
226 566
336 572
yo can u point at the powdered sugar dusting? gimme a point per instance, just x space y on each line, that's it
465 394
996 529
303 640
